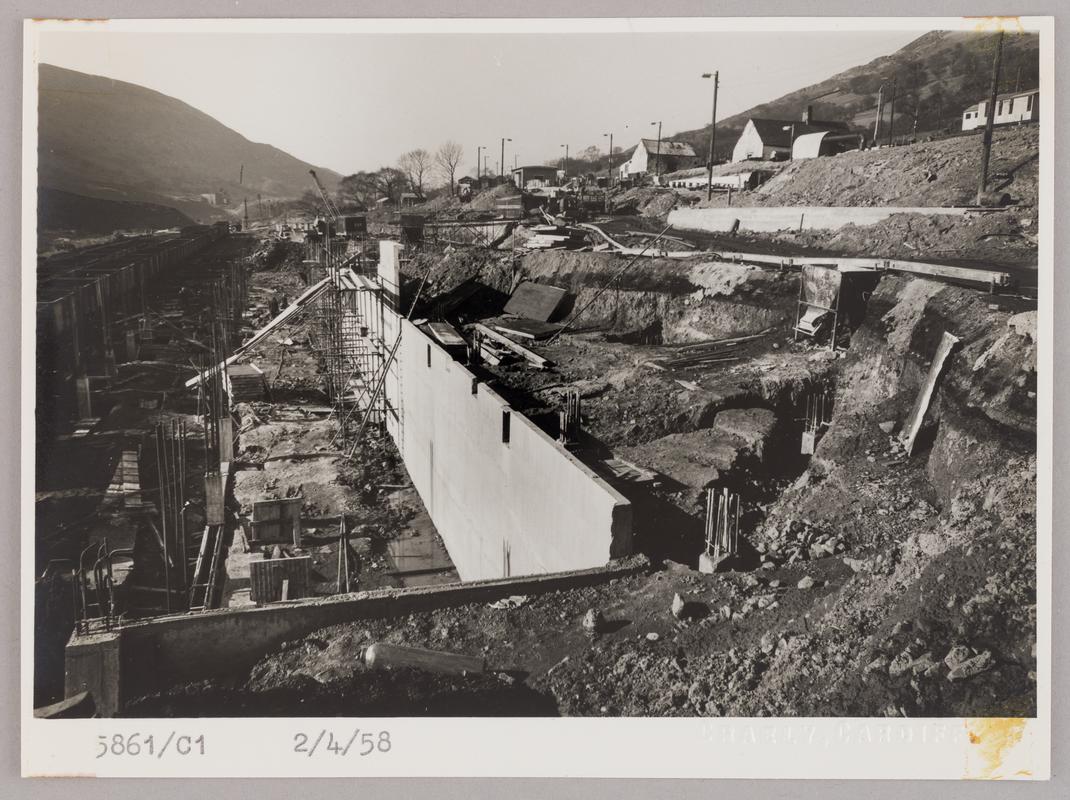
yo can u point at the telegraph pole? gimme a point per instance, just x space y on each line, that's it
609 166
990 118
504 140
880 113
657 155
713 135
891 121
609 170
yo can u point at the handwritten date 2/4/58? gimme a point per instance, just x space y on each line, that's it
139 744
358 742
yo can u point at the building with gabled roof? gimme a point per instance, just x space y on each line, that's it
771 139
650 155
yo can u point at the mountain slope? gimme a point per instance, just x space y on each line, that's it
62 211
939 74
104 138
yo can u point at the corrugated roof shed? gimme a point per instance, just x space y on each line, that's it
773 133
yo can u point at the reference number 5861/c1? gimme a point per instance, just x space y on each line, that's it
359 742
137 744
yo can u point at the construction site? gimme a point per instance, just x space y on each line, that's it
768 452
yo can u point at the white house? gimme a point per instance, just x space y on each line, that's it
658 157
771 139
1010 107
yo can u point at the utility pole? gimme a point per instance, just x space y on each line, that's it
609 166
479 164
713 135
504 140
657 155
990 118
891 121
486 170
880 113
566 162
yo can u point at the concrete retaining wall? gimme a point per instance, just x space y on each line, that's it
518 507
778 218
170 651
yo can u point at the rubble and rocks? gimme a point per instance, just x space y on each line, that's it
869 576
593 621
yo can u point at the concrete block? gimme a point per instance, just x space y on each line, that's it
92 663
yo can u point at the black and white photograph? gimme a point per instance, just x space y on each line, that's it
605 371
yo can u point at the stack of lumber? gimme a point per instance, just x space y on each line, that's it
491 344
245 383
546 237
700 354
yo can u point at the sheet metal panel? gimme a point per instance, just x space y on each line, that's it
537 301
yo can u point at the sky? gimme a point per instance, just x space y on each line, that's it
356 101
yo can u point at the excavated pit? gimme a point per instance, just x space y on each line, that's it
735 424
858 560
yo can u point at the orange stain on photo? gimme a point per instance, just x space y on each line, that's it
993 737
994 24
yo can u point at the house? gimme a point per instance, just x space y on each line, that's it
1010 107
535 177
466 188
409 199
771 139
652 156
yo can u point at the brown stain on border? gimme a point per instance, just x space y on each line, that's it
994 24
991 738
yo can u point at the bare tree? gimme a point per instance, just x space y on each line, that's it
447 159
416 164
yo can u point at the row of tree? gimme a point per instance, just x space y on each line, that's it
414 172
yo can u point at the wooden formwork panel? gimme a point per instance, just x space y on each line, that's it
266 578
277 521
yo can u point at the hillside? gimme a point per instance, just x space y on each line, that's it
62 211
104 138
938 74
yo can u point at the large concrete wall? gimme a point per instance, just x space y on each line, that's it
169 651
521 507
778 218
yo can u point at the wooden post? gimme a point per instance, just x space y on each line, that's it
990 118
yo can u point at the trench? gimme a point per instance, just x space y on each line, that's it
662 304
